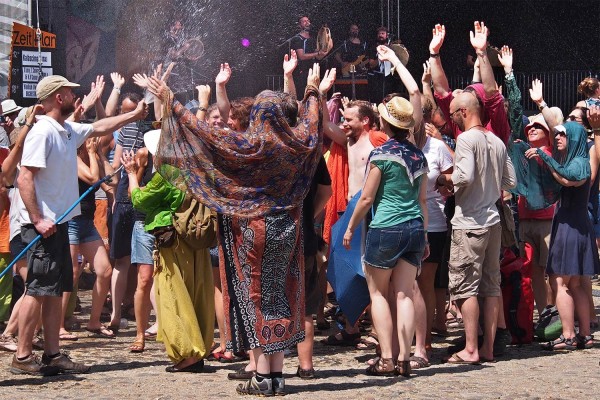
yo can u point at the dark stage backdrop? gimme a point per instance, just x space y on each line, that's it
128 36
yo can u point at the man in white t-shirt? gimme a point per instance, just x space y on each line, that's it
48 187
482 169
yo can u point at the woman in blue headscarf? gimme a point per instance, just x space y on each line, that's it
573 250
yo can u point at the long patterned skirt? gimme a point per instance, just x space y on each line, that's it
262 277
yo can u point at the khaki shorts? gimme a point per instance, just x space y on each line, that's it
536 232
474 266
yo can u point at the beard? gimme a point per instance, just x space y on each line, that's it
67 109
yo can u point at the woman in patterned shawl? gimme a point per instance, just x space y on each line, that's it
396 189
256 180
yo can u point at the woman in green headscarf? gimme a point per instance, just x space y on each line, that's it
573 250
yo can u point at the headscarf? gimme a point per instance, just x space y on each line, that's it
266 169
575 164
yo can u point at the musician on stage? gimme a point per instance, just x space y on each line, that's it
306 52
352 51
381 81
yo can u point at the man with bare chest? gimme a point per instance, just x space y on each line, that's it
358 118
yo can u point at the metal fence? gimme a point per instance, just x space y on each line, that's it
560 87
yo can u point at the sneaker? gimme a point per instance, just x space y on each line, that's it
8 343
255 388
64 363
278 385
240 375
32 365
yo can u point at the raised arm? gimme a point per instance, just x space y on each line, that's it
221 91
536 94
513 94
594 120
479 42
427 93
89 174
98 106
440 81
289 65
331 130
109 125
112 104
203 101
9 165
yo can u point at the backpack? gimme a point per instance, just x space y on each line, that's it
549 326
195 223
517 296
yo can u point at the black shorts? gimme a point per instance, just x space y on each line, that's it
437 242
49 265
121 230
16 246
441 274
312 297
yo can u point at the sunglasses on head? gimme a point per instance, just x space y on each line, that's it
573 118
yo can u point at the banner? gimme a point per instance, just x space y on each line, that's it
27 64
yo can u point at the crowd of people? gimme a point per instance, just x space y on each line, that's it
222 214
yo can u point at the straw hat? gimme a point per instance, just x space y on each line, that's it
397 112
151 139
9 106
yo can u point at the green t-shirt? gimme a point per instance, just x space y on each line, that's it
159 199
397 199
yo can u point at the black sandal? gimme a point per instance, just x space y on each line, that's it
561 344
348 339
382 367
585 342
403 368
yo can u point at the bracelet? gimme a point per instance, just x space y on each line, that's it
434 55
481 53
509 75
203 109
542 105
116 89
28 125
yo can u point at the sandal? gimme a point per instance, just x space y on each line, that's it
323 326
366 344
418 362
102 332
560 344
382 368
305 373
403 368
585 342
137 346
348 339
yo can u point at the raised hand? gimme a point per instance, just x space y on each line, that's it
594 118
91 145
128 161
327 81
141 80
439 33
158 88
431 130
506 59
79 111
386 54
203 94
100 85
224 74
290 63
314 75
345 102
117 80
90 99
426 78
479 37
536 92
167 74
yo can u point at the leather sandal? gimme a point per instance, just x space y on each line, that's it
137 346
383 367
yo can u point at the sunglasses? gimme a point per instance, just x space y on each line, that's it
573 118
538 126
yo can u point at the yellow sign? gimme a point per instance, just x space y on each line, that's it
24 36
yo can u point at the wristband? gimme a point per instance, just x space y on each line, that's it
542 105
434 55
203 109
116 89
29 125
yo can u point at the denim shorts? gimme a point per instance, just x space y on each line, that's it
384 246
142 245
82 231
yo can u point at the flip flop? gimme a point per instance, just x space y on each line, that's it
418 362
101 333
456 359
68 336
487 360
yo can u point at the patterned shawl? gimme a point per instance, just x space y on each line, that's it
405 154
266 169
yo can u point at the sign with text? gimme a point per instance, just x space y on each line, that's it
29 63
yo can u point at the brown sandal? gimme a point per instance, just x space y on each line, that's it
382 367
403 368
137 346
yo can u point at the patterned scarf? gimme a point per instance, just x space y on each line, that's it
405 154
266 169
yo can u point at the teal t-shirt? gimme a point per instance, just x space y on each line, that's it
397 199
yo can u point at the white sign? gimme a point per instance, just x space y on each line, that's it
29 90
32 58
32 74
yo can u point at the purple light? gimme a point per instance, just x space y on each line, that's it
245 42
